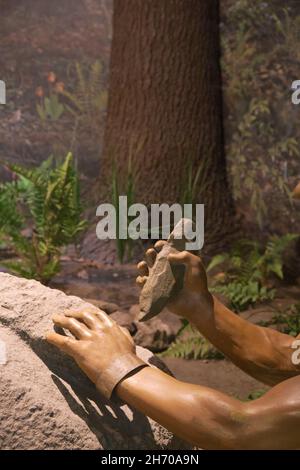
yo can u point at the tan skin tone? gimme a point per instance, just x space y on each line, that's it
205 417
296 192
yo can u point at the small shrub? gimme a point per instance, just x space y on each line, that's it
87 101
40 212
249 267
50 108
290 319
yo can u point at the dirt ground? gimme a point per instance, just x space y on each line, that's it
221 375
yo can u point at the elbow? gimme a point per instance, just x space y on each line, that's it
222 422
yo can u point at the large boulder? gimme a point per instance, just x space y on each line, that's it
46 402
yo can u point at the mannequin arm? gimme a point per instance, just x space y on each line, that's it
263 353
211 420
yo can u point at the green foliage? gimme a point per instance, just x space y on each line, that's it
121 188
40 212
190 344
256 130
249 267
260 56
88 99
288 28
242 294
191 182
290 319
50 108
255 394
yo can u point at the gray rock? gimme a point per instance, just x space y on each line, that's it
46 402
108 307
158 333
126 320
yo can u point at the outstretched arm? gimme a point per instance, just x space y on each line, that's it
202 416
213 420
263 353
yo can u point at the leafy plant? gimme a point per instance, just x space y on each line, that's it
124 246
288 26
190 344
248 270
256 130
88 99
192 181
260 56
255 394
50 108
242 294
290 319
40 212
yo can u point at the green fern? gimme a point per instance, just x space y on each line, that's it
88 99
50 108
242 294
45 201
249 267
290 319
190 344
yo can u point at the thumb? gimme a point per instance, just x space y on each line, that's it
182 257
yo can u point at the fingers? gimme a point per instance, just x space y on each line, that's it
92 318
184 257
64 343
159 245
79 330
143 269
150 257
103 319
84 316
141 280
126 333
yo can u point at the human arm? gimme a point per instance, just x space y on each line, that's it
204 417
263 353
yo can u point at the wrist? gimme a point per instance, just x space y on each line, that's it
198 308
119 368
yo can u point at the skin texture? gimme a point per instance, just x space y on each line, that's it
205 417
296 192
102 349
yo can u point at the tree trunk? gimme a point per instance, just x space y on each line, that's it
165 105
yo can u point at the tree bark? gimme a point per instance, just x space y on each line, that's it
165 105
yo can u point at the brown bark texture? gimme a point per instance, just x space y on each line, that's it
165 106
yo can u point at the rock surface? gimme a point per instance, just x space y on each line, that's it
45 400
158 333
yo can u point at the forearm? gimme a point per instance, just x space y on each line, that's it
263 353
204 417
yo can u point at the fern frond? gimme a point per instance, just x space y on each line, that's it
190 344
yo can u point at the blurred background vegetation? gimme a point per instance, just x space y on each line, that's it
261 44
